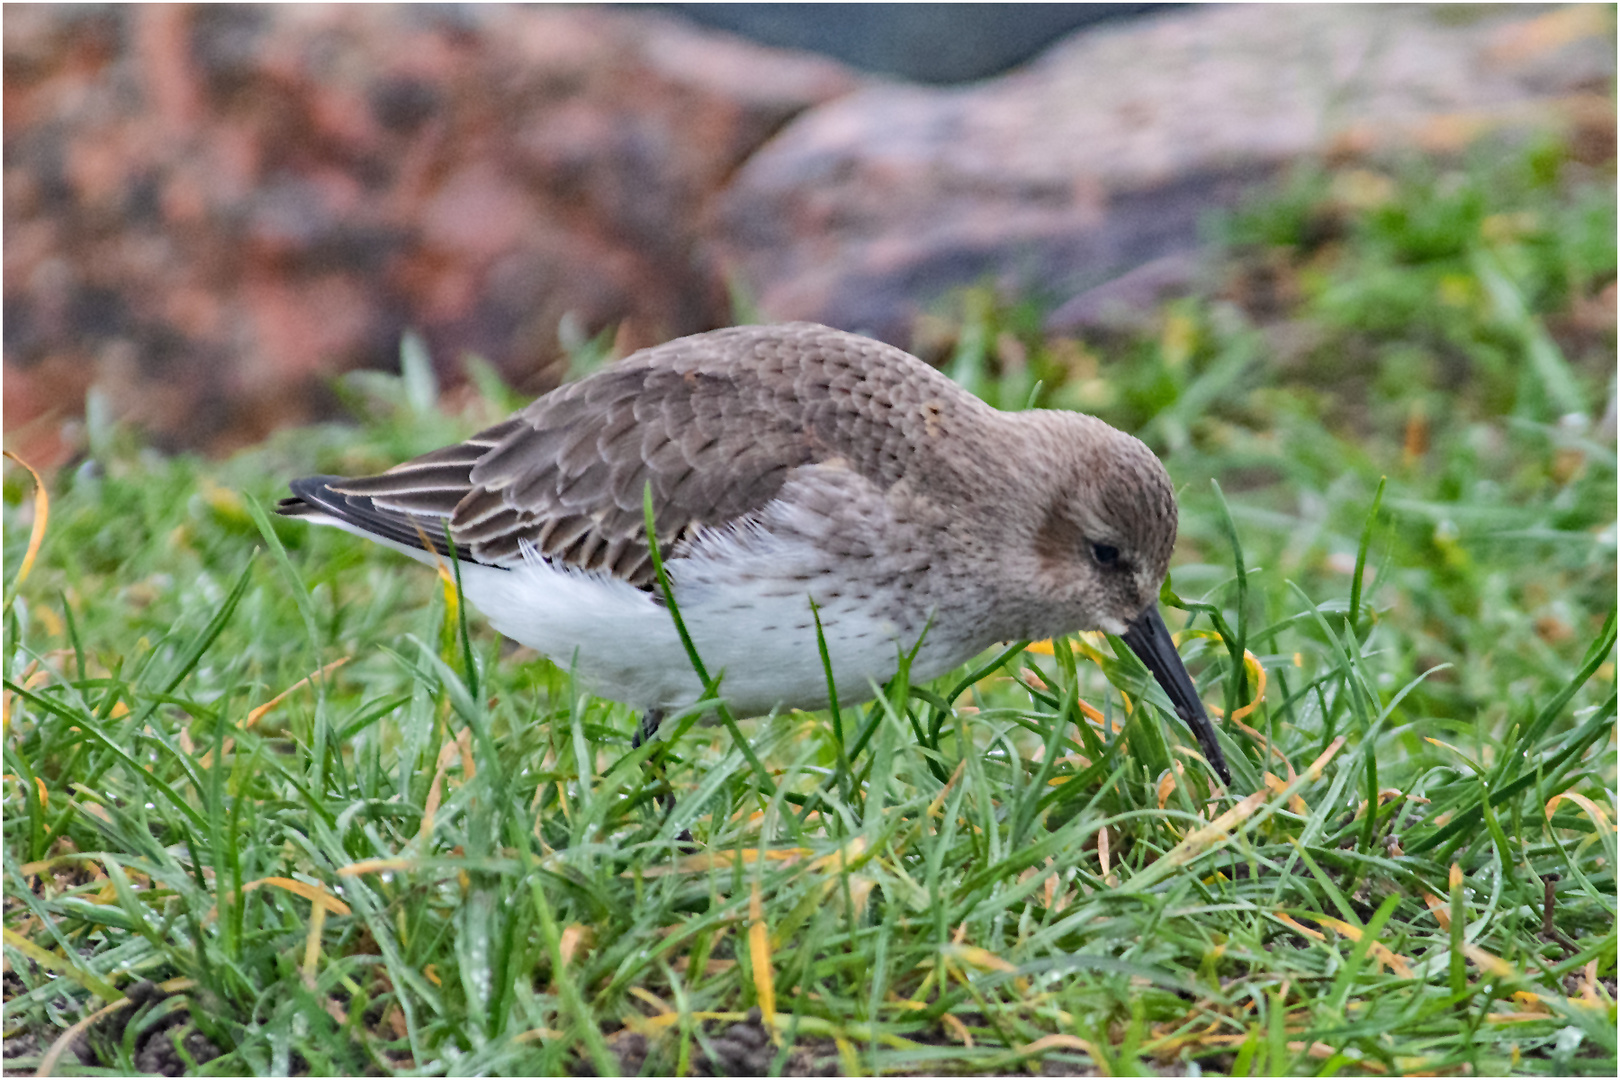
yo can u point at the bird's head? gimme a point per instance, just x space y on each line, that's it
1105 526
1102 544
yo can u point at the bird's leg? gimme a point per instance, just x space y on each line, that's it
648 728
646 731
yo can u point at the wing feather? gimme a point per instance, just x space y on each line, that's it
716 423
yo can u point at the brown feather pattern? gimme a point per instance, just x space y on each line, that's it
714 423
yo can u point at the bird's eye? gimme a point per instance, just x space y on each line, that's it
1105 554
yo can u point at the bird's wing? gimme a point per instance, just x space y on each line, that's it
714 423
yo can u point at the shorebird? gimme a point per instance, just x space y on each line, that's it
787 464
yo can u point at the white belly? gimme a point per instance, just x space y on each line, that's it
744 593
623 645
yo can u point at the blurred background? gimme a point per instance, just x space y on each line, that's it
210 212
1348 269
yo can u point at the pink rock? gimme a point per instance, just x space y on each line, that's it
216 209
1106 152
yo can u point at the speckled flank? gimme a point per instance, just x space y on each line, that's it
787 464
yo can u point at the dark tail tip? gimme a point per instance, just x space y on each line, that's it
311 494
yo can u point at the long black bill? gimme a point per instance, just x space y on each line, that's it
1150 641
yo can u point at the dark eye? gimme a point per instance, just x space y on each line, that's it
1105 554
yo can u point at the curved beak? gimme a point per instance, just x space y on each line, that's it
1150 641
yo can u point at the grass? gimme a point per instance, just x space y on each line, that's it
343 828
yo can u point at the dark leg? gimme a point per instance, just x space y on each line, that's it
646 730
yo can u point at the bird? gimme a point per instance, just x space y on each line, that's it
798 475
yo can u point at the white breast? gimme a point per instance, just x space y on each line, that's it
744 592
747 615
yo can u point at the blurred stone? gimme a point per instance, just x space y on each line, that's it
1130 302
210 211
930 43
1108 151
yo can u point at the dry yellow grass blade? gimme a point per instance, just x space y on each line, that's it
258 713
1386 794
649 1024
313 893
448 753
376 866
254 716
847 856
1060 1041
1492 964
663 1007
1439 909
574 936
1095 715
860 891
1447 746
32 678
978 957
52 962
1257 671
1167 784
1318 1050
1322 1051
1278 785
938 801
47 1064
42 516
1378 951
759 957
958 1030
1086 644
312 944
1299 927
1222 828
1530 1001
722 860
1589 991
1516 1017
1593 810
1213 833
67 858
446 577
847 1057
1252 664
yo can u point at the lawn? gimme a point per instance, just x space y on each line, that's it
276 802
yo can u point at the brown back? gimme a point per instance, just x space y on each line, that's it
713 422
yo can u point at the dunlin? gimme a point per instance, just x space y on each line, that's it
787 464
